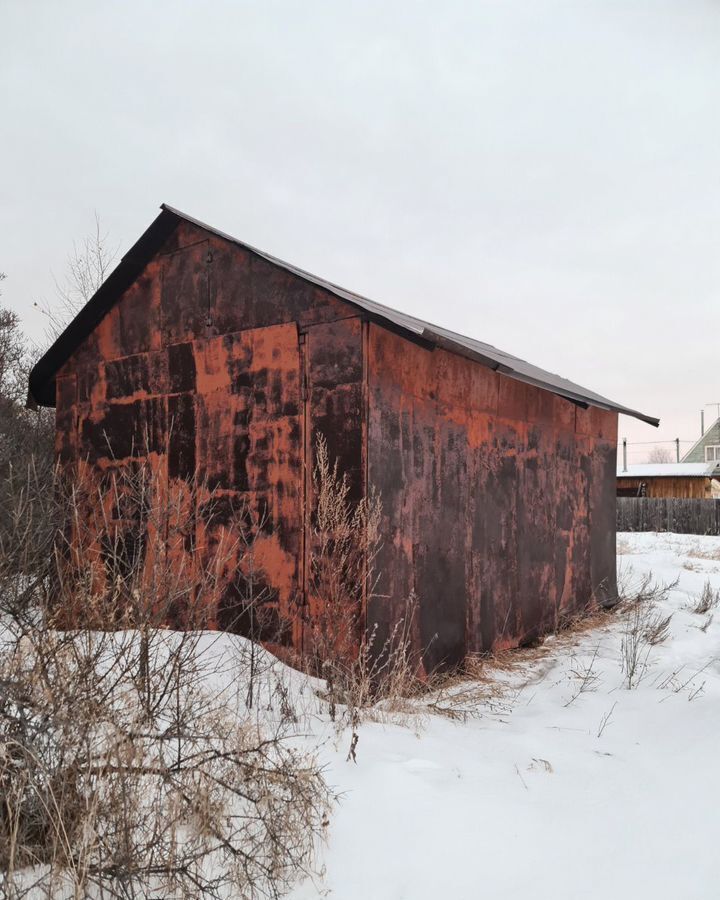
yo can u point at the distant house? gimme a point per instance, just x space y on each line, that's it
699 480
707 449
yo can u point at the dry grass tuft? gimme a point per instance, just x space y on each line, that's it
698 551
657 628
706 601
642 626
624 547
584 675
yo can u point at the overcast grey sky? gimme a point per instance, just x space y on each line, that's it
541 175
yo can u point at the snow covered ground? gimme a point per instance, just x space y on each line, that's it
560 783
615 793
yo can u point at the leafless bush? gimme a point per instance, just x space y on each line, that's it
634 648
123 770
344 544
644 591
26 436
679 681
643 627
700 551
605 720
476 689
365 675
584 675
26 431
657 628
381 681
706 601
624 547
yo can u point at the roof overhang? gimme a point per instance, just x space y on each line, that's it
670 470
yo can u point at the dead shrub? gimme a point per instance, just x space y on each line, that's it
123 769
657 628
698 551
475 689
645 591
643 627
344 544
706 601
584 675
634 648
364 673
623 547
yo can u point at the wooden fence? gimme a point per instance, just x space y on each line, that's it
668 514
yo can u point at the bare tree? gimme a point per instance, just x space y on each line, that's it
88 265
660 455
26 435
13 355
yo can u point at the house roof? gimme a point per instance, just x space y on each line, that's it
670 470
42 387
706 435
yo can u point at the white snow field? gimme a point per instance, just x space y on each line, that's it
560 783
615 793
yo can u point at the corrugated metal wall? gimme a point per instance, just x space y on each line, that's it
498 500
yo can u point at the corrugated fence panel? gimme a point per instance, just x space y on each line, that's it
668 514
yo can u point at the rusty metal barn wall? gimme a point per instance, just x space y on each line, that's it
198 370
498 497
498 500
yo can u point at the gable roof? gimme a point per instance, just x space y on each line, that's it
710 435
42 386
670 470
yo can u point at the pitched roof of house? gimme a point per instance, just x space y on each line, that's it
42 388
710 433
670 470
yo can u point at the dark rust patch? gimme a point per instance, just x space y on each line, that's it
181 437
125 430
181 368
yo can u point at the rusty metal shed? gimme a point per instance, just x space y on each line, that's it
497 478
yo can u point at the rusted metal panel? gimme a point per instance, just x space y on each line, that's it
249 448
335 394
497 497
